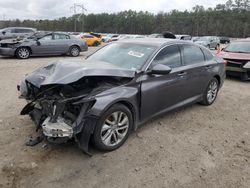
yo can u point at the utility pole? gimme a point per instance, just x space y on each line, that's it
75 9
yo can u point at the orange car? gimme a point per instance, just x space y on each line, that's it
92 40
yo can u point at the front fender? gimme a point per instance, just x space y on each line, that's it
125 95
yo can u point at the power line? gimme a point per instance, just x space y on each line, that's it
75 9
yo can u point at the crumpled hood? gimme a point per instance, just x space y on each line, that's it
65 72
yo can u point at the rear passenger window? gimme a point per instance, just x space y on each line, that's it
169 56
192 54
60 37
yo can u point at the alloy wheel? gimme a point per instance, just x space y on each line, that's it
114 128
23 53
74 51
212 91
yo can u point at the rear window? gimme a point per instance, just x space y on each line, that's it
61 37
208 55
192 54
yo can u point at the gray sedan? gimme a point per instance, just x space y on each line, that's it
55 43
118 88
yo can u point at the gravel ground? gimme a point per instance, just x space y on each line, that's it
194 147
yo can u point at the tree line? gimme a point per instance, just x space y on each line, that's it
230 19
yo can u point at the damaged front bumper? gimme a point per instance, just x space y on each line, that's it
58 124
7 51
57 129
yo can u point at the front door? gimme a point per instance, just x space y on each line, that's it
163 92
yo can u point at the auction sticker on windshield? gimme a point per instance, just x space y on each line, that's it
135 54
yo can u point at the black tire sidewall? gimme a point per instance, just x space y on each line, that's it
97 132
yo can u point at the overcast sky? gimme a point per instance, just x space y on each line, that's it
50 9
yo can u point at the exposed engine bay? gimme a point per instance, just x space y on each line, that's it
60 109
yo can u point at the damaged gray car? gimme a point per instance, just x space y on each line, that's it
53 43
118 88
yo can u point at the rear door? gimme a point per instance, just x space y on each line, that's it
61 43
163 92
196 69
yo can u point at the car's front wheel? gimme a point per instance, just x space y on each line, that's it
23 53
113 128
211 92
74 51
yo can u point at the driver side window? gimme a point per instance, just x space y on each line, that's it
47 37
169 56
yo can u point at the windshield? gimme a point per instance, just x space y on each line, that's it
124 55
240 47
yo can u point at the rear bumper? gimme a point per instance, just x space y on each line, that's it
7 51
84 48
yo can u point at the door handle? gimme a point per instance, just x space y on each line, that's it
182 73
208 67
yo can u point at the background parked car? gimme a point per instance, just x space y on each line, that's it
91 40
224 40
16 32
209 42
183 37
50 44
237 55
109 37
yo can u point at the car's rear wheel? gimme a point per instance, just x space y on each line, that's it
113 128
96 43
211 92
74 51
23 53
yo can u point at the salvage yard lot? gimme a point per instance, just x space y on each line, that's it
194 147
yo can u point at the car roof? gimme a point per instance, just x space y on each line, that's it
157 42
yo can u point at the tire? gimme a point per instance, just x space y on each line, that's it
23 53
107 129
211 92
96 43
74 51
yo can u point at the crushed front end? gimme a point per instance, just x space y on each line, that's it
61 111
60 96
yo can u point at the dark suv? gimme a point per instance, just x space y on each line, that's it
16 32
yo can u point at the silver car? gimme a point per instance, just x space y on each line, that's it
55 43
16 32
209 41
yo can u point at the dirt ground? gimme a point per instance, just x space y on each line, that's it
194 147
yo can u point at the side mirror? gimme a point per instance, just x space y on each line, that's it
38 42
3 32
160 69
